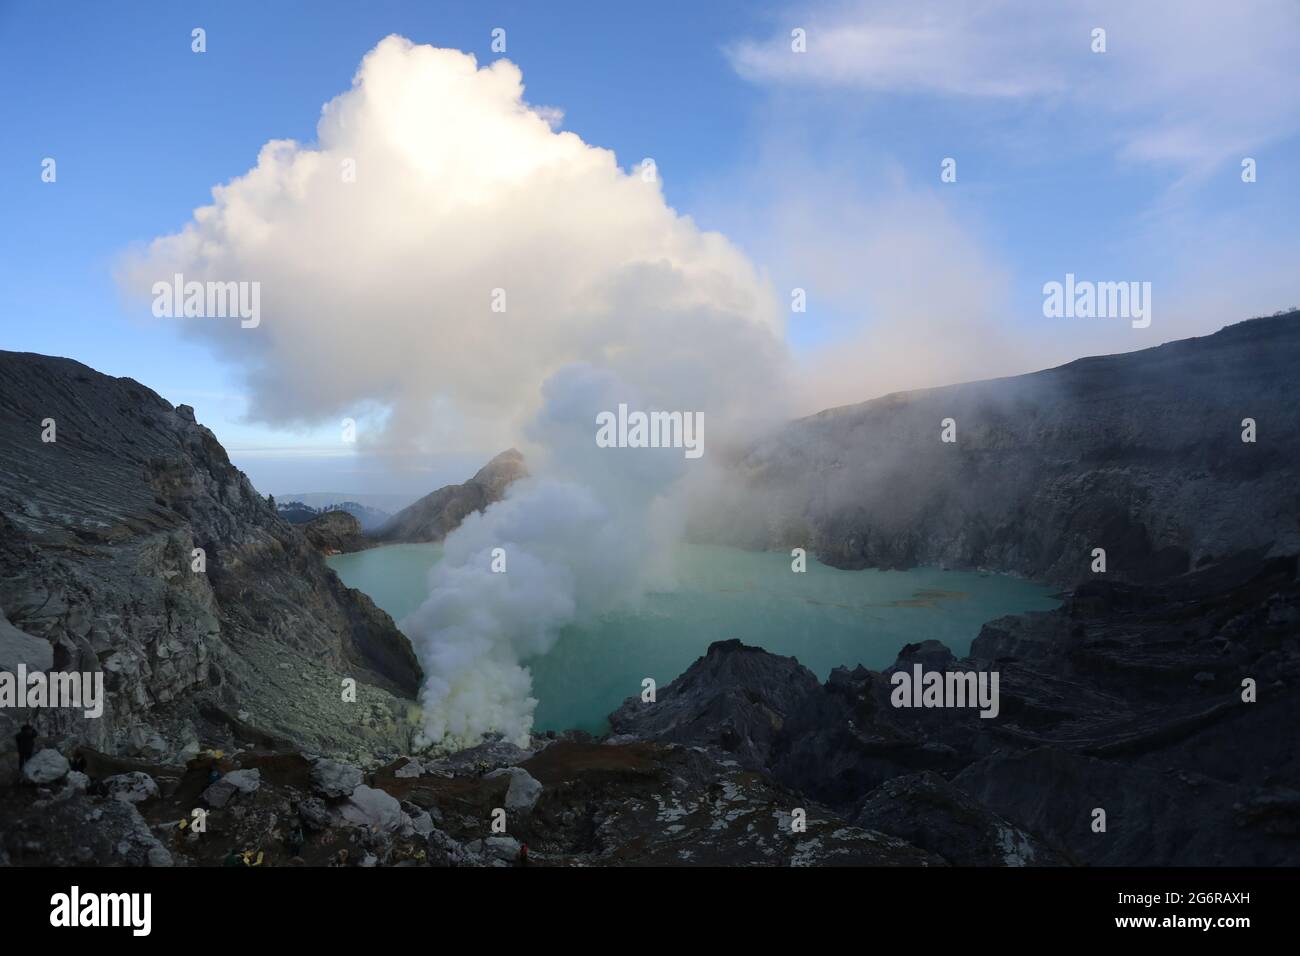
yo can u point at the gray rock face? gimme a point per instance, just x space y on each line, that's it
503 849
19 648
232 785
736 698
1139 453
440 512
928 812
333 780
45 766
98 531
158 856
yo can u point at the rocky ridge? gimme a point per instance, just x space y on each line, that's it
1139 453
130 546
440 512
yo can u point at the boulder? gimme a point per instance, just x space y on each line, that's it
231 785
46 766
132 787
524 790
333 780
503 848
375 809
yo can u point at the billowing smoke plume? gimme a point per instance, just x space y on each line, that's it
562 548
434 196
444 253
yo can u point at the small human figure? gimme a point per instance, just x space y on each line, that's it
26 740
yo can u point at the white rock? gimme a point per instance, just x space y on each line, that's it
374 808
133 787
46 766
524 789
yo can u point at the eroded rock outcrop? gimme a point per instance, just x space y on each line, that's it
334 532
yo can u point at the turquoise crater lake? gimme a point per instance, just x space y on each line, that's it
824 617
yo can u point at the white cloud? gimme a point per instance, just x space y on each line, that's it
380 290
1189 83
949 48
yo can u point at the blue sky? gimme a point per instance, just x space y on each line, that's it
822 168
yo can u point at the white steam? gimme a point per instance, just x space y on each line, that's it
377 290
576 544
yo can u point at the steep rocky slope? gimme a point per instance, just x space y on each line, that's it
1140 454
440 512
98 536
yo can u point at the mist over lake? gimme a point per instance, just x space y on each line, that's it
824 617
